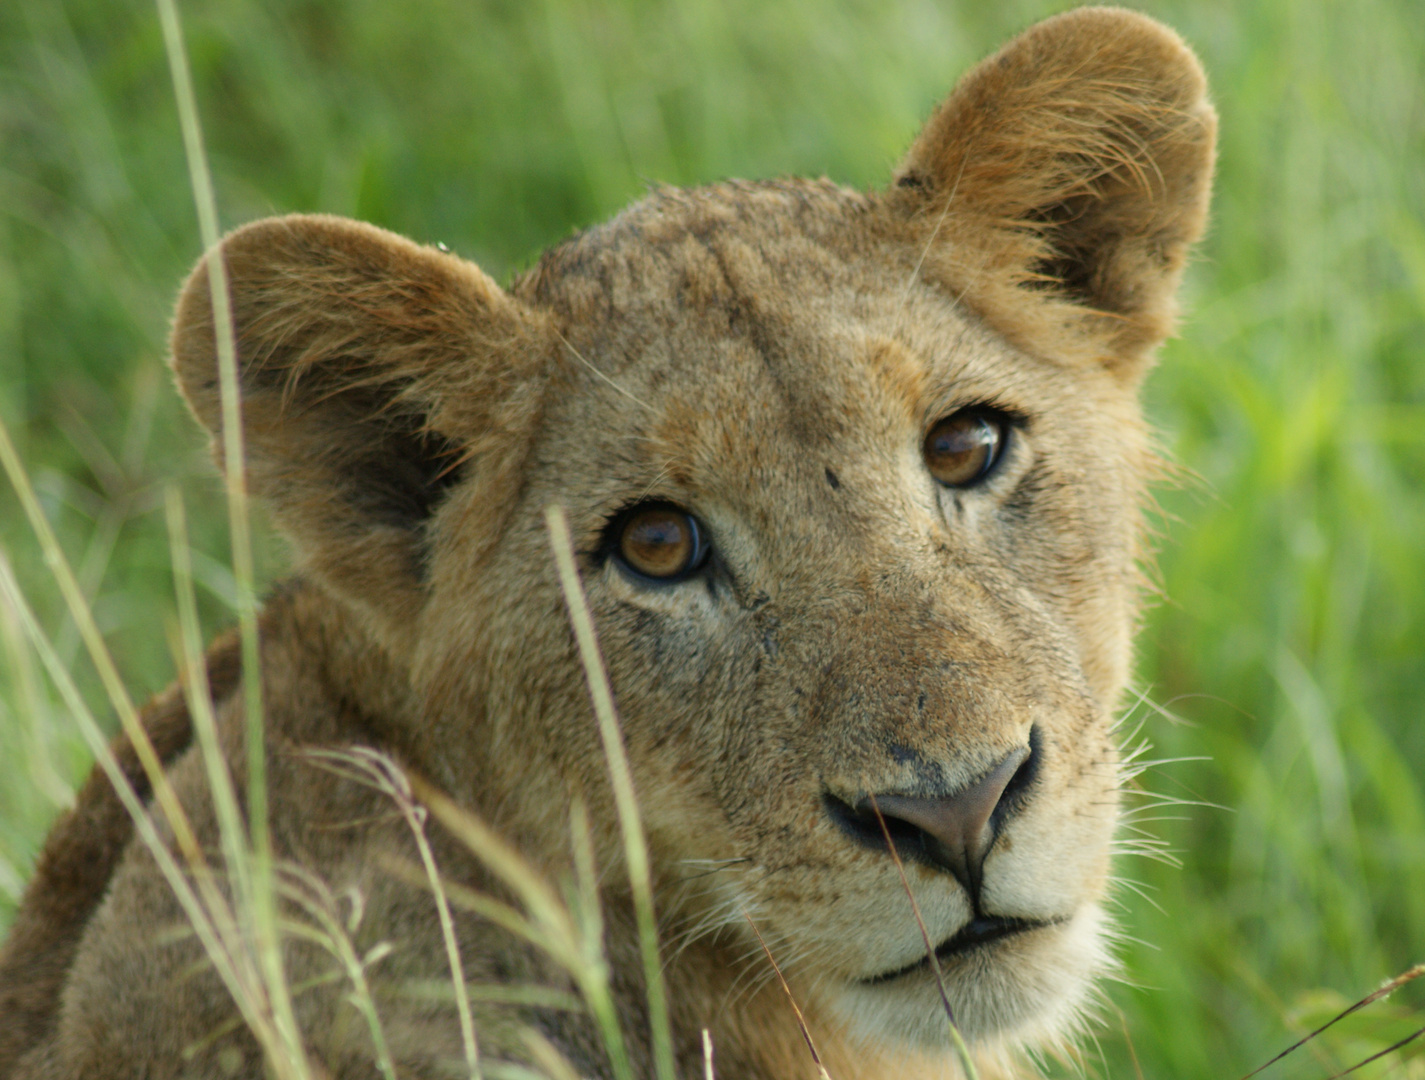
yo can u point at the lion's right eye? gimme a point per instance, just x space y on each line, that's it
962 449
661 542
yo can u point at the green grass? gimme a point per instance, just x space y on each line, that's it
1289 641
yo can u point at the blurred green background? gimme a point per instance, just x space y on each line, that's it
1286 648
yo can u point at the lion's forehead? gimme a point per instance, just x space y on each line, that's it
734 259
763 320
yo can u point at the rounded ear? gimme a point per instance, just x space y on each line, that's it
375 375
1060 186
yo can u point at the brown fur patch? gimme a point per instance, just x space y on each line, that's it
79 857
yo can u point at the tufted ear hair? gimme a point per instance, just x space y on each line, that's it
375 376
1061 185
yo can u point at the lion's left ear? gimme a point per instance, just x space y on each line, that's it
1061 185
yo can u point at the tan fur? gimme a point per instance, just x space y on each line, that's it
769 356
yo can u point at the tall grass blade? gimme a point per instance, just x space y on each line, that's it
310 893
261 899
634 844
546 1055
198 694
1392 1048
32 707
217 909
93 640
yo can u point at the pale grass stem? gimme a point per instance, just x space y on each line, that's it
547 925
1128 1042
261 898
635 845
707 1055
380 772
962 1051
189 654
214 921
590 914
1400 1044
83 617
214 925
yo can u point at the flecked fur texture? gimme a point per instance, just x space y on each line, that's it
768 357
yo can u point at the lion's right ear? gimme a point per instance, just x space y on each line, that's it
374 374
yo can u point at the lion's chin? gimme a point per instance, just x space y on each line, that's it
1011 984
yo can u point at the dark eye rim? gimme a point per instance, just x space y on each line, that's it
1004 420
613 532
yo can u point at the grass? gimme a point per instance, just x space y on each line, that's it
1287 644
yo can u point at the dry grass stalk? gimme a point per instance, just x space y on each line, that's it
1387 988
193 673
328 931
962 1051
801 1020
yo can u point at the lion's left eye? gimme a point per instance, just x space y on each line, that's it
962 448
661 542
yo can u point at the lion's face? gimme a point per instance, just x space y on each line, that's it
855 485
798 614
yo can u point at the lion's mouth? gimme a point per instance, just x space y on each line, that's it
977 933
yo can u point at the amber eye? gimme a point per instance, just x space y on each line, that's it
660 542
964 447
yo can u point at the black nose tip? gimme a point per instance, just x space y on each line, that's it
953 832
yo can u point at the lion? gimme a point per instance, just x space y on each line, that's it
854 481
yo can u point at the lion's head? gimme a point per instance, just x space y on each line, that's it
854 481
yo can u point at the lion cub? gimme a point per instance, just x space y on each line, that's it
854 481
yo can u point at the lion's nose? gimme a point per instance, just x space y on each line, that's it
953 832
